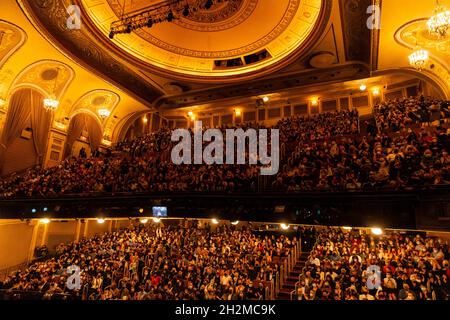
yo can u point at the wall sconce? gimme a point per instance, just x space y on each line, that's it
237 112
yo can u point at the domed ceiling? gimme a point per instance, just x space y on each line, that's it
234 37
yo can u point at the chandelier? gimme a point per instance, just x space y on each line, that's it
418 59
439 23
168 10
51 103
104 113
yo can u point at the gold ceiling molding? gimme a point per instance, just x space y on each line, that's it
11 39
41 75
292 24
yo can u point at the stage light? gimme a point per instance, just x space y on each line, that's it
101 221
376 231
33 210
362 87
156 220
144 221
45 209
45 221
347 228
284 226
235 223
215 221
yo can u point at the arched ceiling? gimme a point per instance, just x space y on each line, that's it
230 29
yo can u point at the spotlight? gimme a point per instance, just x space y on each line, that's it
170 16
101 221
376 231
215 221
186 11
45 209
235 223
111 35
33 210
45 221
284 226
362 87
156 220
208 4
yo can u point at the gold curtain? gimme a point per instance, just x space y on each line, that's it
40 123
76 126
94 132
18 113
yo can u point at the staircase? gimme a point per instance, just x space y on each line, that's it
293 277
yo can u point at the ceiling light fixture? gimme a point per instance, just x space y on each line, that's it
51 103
418 59
439 23
103 113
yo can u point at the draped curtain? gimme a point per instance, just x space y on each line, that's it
18 114
76 126
40 123
79 123
94 132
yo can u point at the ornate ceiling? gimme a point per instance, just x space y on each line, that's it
229 30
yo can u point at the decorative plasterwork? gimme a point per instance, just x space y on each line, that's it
50 16
159 49
11 39
93 101
35 76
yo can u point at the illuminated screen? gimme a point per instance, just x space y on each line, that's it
160 212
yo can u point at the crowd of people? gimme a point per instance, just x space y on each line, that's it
175 262
356 265
325 152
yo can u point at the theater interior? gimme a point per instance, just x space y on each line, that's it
93 206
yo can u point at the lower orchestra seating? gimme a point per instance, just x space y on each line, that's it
189 261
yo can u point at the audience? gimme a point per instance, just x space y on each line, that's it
355 265
325 152
184 262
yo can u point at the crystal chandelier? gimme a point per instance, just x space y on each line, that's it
439 23
50 103
418 59
104 113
